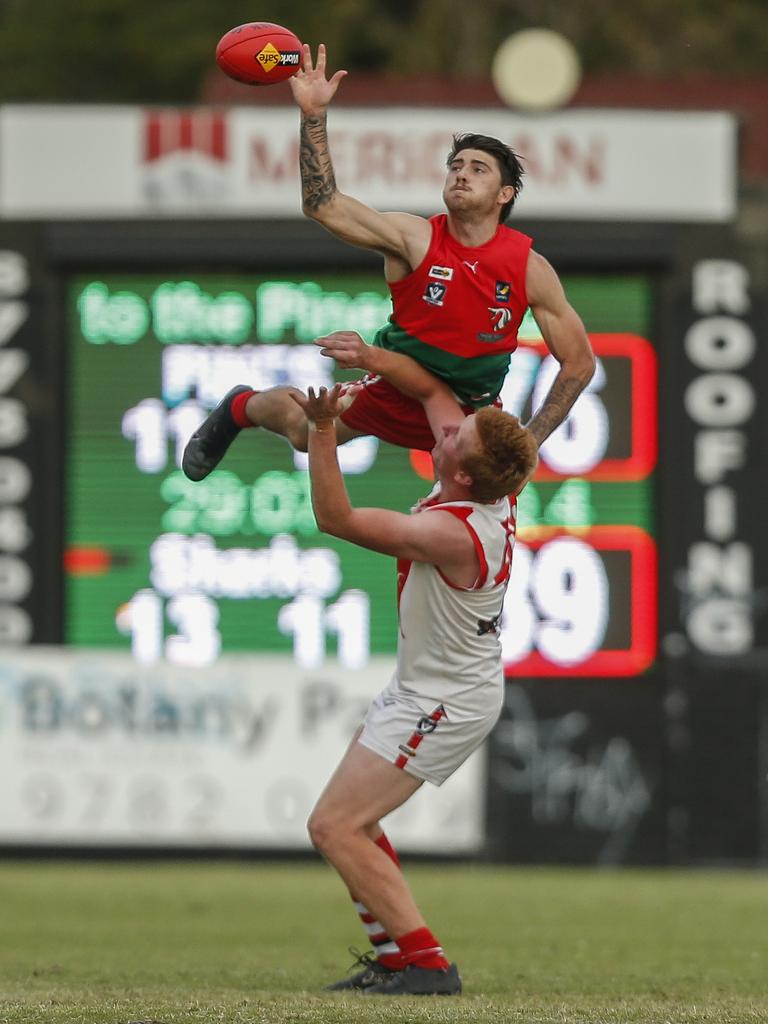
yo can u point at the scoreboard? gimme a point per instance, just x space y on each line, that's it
186 571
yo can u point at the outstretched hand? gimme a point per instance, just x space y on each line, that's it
311 89
347 348
321 408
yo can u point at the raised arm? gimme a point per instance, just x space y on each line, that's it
566 339
436 538
351 352
401 235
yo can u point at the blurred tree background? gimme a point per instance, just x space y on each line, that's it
150 51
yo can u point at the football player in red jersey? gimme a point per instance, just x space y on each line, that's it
460 283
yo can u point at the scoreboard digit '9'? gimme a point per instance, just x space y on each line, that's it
186 571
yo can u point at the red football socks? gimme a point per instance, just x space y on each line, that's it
421 949
237 408
384 844
386 949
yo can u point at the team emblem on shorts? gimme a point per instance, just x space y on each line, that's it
445 273
503 291
425 725
434 293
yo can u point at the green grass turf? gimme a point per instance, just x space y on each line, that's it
253 943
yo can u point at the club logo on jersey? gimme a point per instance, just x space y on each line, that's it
500 317
503 291
488 625
434 293
445 273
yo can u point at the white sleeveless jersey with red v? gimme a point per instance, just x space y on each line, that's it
449 640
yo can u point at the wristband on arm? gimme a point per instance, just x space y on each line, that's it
322 426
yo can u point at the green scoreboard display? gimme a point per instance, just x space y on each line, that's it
185 571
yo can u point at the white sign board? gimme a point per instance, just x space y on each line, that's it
96 750
72 161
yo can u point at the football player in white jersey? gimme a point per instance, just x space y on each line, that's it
454 556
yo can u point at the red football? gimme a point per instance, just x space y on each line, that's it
259 53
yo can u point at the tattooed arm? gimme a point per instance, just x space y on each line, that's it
318 182
396 235
566 339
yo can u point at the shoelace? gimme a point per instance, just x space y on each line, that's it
361 959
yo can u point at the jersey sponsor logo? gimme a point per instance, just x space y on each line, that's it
434 293
445 273
503 291
472 266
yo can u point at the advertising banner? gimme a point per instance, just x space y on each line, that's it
583 164
576 774
30 438
717 465
96 750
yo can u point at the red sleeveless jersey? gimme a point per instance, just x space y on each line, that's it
459 311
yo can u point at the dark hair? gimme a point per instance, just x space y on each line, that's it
507 456
508 161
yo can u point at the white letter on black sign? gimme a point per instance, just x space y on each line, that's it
720 284
717 451
719 400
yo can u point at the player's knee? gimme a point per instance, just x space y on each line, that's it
297 432
298 439
327 831
320 831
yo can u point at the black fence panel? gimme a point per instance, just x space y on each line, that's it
577 773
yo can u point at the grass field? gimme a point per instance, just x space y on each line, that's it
253 943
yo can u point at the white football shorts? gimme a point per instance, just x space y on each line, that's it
425 738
